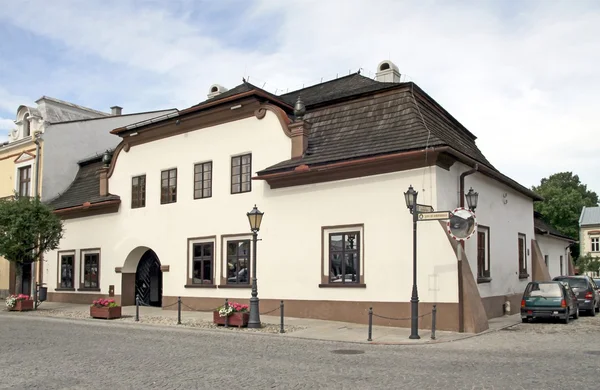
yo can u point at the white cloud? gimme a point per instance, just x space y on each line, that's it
523 80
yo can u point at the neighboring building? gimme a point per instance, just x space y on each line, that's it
167 217
589 231
47 142
555 248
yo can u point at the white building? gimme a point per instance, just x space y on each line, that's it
168 217
555 248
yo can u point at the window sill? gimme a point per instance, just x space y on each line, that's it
235 286
484 280
342 285
89 289
64 289
523 276
200 286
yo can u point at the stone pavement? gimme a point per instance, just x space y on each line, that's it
300 328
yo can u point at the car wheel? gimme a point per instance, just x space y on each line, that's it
566 319
593 312
524 320
598 308
576 316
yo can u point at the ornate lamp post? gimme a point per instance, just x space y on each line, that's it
255 218
472 198
410 197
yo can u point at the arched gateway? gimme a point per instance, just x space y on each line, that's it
141 276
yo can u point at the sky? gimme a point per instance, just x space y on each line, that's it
521 75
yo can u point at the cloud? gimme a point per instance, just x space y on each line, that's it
520 75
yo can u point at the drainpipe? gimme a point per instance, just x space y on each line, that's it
461 303
36 192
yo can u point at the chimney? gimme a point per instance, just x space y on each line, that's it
116 110
387 72
215 90
300 130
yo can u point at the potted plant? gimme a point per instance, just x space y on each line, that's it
236 314
105 308
19 302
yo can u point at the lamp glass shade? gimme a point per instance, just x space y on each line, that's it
472 198
255 218
410 197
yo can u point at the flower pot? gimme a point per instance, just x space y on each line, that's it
108 313
23 305
235 319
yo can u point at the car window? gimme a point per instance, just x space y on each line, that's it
575 282
597 281
550 290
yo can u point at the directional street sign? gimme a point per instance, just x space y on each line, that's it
424 208
436 215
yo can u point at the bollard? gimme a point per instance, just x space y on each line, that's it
226 317
178 310
281 330
137 307
433 315
370 338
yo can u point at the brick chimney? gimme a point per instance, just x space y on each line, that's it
300 130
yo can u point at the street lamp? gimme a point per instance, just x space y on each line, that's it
472 198
255 218
410 197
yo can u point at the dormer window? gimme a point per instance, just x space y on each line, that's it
26 126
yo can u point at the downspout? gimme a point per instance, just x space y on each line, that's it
461 303
36 192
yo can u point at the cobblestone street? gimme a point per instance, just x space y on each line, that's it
51 353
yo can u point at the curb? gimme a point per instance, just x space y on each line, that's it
124 324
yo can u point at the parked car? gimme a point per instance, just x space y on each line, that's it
597 281
548 300
586 290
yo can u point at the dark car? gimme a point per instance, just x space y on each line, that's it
597 281
548 300
586 290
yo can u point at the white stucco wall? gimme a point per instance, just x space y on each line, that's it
505 222
67 143
554 248
289 255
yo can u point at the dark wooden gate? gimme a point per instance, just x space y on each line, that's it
148 280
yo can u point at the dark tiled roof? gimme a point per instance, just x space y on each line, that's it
544 227
400 121
85 187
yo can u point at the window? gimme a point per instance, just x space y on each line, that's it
483 253
238 262
241 171
91 270
202 263
561 265
344 257
203 180
168 186
522 257
138 191
67 263
595 244
24 181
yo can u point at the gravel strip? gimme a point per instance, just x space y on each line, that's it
159 320
583 325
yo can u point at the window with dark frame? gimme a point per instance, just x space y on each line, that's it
241 172
24 181
168 186
483 252
66 271
91 267
202 263
561 265
203 180
344 257
138 191
595 244
238 262
522 257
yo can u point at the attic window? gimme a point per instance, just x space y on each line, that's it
384 66
214 89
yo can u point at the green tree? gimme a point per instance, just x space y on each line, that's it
28 229
564 197
588 263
